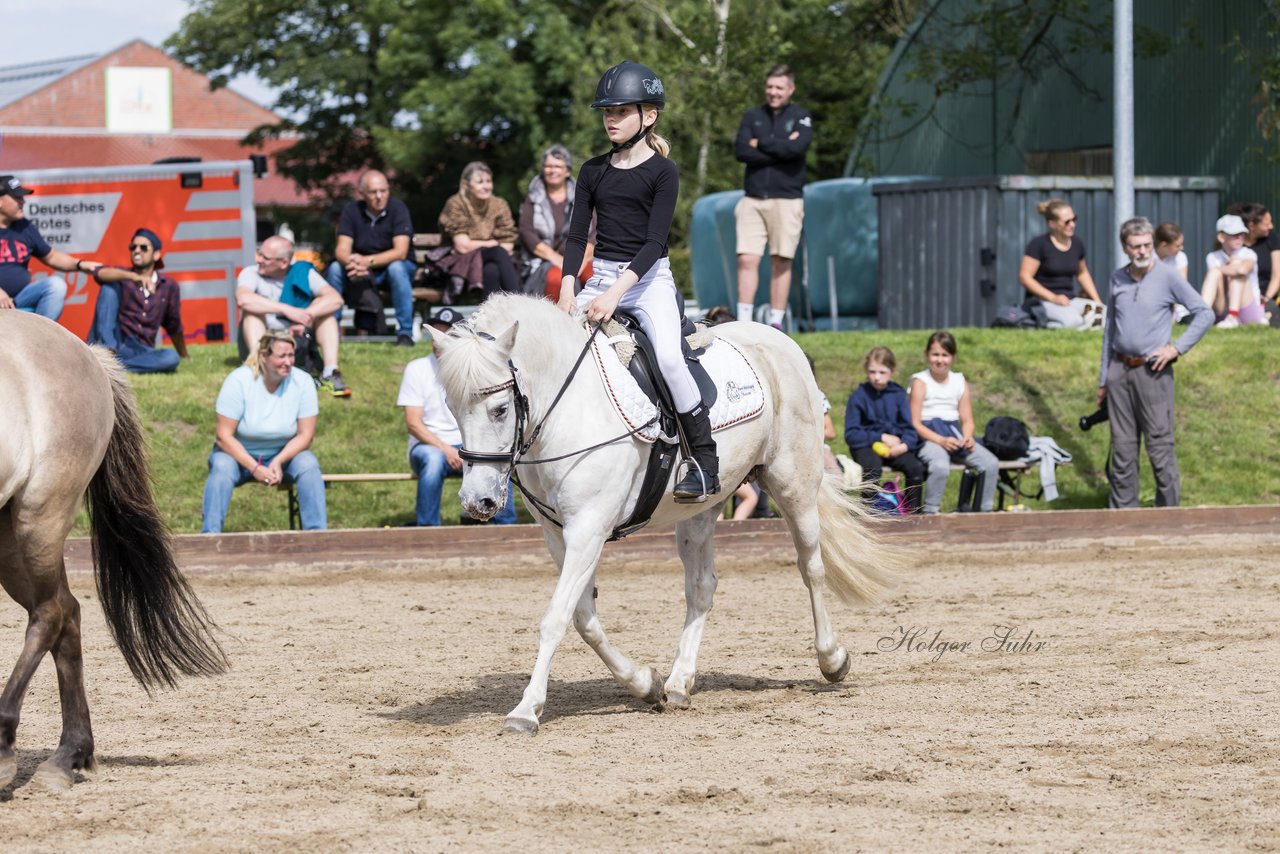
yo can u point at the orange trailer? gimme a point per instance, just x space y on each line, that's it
202 212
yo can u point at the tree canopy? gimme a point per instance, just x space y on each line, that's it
420 87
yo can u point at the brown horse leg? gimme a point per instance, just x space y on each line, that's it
75 748
43 626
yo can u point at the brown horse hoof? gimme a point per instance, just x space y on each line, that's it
8 770
52 777
840 672
656 696
520 726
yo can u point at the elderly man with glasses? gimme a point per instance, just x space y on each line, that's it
280 294
134 304
1136 381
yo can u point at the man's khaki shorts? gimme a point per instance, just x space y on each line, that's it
775 222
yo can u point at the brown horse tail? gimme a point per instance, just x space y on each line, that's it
157 622
861 568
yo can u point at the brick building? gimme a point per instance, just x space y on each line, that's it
133 105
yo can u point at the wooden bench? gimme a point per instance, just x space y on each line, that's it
1016 469
295 516
424 297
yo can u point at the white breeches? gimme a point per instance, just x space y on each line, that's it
654 303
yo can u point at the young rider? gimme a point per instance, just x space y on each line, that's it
632 193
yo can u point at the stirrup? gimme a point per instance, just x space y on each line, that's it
704 491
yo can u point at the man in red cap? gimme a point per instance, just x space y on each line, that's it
134 304
20 241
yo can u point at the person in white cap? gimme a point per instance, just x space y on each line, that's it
434 437
1231 284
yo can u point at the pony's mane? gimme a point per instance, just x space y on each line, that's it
547 337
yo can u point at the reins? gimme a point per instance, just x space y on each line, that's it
520 445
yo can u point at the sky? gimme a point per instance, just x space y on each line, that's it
37 30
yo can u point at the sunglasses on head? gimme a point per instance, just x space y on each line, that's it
139 247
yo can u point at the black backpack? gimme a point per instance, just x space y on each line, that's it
1006 437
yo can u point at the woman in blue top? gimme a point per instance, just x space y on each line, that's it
632 193
266 415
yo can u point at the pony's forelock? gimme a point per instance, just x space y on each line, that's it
471 362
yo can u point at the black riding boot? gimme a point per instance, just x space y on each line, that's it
702 479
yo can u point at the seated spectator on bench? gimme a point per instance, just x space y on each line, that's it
278 295
942 415
373 250
1231 284
479 227
266 420
134 304
434 438
544 217
877 426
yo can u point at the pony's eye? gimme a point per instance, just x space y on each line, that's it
499 413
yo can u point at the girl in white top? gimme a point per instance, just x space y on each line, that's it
1169 245
1231 283
942 414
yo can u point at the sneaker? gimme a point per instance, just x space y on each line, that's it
404 340
1180 314
1229 322
335 384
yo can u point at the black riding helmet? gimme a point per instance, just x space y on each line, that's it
630 83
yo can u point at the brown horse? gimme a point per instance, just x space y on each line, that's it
71 425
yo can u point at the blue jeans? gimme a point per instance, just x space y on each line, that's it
225 474
137 357
397 277
429 466
45 297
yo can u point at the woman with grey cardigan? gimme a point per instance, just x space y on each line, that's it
544 219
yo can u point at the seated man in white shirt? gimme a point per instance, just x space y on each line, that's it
434 438
278 294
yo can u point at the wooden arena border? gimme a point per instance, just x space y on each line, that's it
213 553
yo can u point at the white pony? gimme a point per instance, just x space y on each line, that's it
517 349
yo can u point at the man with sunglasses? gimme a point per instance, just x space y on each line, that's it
135 304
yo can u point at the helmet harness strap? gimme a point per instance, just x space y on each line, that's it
623 146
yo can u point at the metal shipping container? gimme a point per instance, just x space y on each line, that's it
950 249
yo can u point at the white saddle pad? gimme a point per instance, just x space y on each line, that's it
739 394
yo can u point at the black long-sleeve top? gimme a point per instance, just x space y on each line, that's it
633 209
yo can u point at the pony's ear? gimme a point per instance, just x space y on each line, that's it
507 339
438 338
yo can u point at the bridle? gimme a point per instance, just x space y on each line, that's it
521 444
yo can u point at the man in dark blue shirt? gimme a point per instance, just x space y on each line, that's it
374 239
20 241
772 141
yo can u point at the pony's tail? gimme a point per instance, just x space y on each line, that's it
157 622
860 567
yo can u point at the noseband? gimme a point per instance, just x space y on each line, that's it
520 445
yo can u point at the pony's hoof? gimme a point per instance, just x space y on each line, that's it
52 777
840 672
520 726
656 697
678 700
8 770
